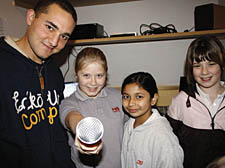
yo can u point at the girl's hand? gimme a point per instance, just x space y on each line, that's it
88 149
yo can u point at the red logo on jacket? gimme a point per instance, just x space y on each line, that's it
116 109
139 162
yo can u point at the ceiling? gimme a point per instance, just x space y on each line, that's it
75 3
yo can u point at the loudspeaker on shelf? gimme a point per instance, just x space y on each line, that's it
209 17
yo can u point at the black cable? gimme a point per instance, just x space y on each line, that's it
188 30
68 60
106 34
155 28
68 67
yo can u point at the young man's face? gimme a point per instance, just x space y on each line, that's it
48 33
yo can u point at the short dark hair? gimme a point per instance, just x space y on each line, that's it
42 7
144 79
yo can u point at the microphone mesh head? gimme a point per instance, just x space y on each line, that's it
89 130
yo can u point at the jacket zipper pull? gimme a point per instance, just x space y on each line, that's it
41 78
212 124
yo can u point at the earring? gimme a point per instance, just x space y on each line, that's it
153 102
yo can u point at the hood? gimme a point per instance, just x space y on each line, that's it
155 120
8 45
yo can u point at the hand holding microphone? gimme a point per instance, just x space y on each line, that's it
89 132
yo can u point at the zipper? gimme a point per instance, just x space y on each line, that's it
212 117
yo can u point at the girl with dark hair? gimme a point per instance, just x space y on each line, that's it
148 140
197 113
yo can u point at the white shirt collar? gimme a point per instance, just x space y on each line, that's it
205 95
212 106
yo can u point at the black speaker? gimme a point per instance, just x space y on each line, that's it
209 17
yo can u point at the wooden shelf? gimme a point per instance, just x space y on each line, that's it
147 38
75 3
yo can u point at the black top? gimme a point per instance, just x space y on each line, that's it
31 135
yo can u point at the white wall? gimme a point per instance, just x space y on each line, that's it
13 19
163 59
222 2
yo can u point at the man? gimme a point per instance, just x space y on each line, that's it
31 90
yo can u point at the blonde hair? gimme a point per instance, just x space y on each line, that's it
89 55
218 163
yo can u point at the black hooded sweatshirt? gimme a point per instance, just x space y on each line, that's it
31 135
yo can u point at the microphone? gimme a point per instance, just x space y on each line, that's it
89 130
